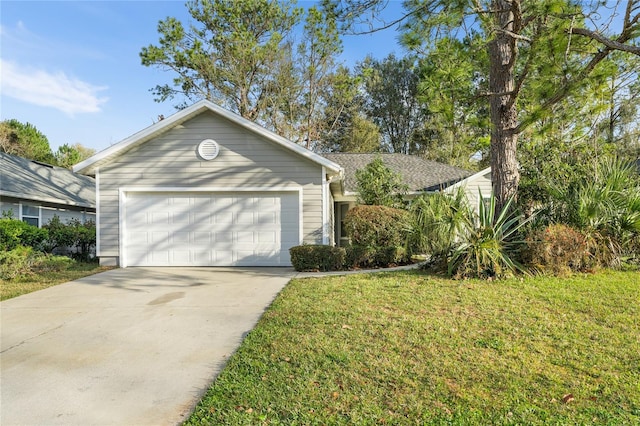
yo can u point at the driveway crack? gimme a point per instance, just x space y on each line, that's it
31 338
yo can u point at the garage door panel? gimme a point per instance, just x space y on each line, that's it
214 229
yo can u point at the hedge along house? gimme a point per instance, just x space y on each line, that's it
206 187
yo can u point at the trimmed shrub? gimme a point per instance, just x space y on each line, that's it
359 256
317 258
557 249
390 256
377 226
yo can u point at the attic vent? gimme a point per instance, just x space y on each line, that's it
208 149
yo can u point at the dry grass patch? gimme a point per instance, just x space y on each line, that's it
38 281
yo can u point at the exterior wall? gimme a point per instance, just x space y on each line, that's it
171 160
332 221
483 183
7 206
47 211
65 215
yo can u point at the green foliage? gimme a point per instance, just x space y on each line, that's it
391 101
317 53
377 234
317 258
10 231
72 235
376 226
605 207
24 261
24 140
346 128
456 124
409 348
228 55
359 256
487 248
436 222
243 56
60 235
84 238
69 155
14 233
557 249
378 185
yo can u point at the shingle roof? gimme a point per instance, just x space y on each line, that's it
31 180
417 173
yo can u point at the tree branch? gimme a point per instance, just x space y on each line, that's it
514 35
611 44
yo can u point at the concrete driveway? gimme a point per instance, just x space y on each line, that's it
131 346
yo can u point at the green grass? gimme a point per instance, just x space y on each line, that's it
409 348
39 281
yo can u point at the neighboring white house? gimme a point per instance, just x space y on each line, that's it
35 192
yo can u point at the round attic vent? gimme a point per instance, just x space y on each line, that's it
208 149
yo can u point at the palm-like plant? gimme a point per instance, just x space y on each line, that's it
607 209
488 244
437 220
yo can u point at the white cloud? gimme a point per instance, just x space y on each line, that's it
67 94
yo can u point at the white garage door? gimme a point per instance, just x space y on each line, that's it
210 229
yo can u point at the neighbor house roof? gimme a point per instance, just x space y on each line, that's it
35 181
417 173
89 166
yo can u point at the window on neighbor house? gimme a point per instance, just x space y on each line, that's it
31 215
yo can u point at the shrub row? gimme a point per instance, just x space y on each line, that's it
328 258
74 237
317 258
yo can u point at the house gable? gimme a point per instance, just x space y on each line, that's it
108 155
250 171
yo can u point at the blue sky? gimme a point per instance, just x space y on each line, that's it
72 68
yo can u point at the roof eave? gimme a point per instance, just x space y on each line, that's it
46 199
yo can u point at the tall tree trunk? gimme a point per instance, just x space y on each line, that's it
503 50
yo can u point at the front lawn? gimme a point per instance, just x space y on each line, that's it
409 348
38 281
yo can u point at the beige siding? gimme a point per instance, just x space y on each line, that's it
482 183
245 160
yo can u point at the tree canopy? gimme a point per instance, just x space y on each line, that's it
539 52
25 140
